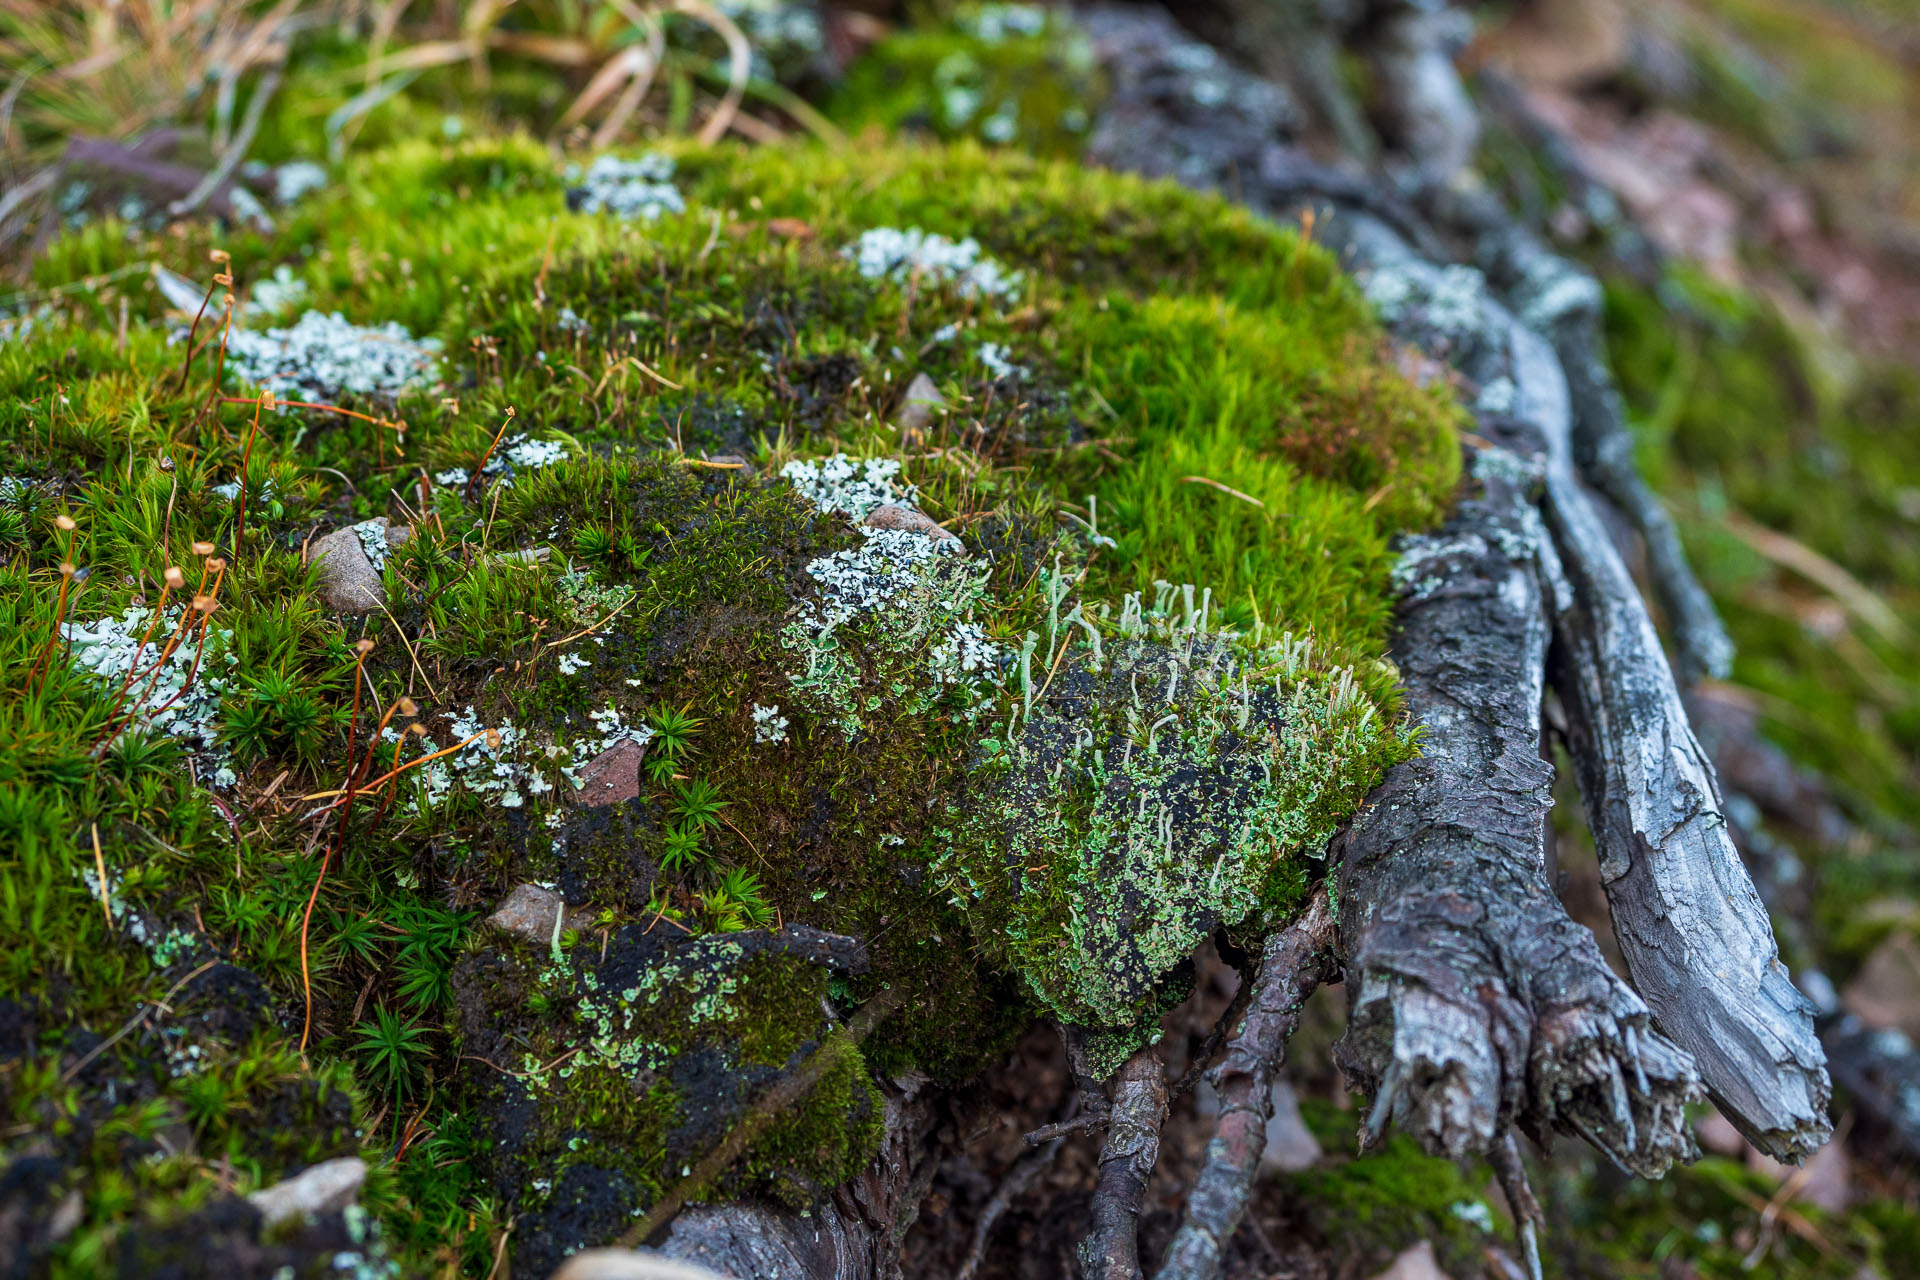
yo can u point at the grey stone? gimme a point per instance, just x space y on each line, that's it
327 1187
348 581
1291 1146
530 911
921 403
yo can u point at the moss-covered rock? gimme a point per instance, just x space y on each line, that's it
1026 695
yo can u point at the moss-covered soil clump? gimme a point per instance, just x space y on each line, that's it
788 576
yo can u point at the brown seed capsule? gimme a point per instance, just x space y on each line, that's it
217 563
64 523
174 578
363 647
203 603
203 548
407 708
66 570
493 739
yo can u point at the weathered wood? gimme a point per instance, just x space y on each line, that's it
1695 935
1562 302
1293 964
1477 1003
1111 1250
1694 932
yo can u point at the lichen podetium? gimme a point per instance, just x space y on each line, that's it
1029 684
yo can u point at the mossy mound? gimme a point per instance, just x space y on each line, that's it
874 513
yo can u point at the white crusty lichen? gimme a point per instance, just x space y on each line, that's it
639 188
899 596
275 295
323 357
173 677
493 762
851 487
373 541
297 178
888 253
994 356
516 453
768 724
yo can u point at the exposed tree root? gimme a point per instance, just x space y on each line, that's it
1562 302
1295 962
1527 1216
1477 1003
1111 1250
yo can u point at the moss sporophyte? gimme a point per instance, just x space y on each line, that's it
782 687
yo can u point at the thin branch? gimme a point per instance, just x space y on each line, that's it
1021 1176
1295 962
785 1093
1111 1250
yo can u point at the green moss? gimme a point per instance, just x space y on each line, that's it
1374 1205
1159 792
995 73
1199 398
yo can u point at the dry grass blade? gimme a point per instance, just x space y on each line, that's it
739 67
1215 484
1789 553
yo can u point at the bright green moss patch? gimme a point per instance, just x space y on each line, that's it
1134 594
996 73
1372 1206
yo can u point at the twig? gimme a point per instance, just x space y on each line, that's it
785 1093
1215 484
1067 1128
481 465
1527 1216
139 1016
551 644
1111 1250
100 865
1295 962
1018 1179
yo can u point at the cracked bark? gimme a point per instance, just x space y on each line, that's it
1293 964
1696 937
1562 302
1694 932
1111 1250
1477 1004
